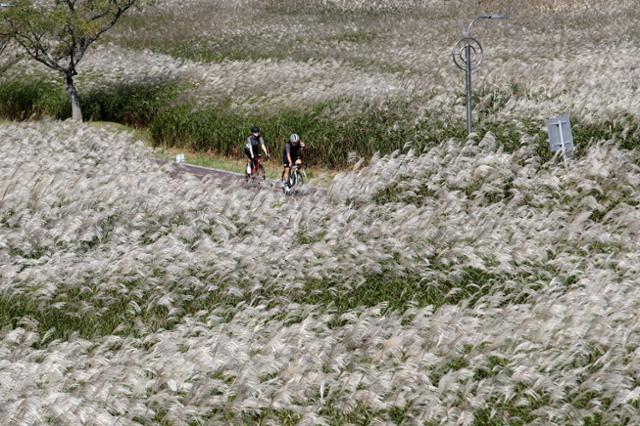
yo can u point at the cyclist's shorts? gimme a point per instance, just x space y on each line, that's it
248 153
285 160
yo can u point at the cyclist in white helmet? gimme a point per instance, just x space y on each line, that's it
291 155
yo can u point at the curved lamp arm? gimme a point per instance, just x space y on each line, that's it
490 16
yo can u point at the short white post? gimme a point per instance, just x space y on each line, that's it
563 148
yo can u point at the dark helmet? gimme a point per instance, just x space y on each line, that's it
255 129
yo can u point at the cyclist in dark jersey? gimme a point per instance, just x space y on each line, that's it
291 154
255 142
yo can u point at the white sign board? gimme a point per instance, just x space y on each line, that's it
560 136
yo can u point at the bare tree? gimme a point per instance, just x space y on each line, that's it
57 33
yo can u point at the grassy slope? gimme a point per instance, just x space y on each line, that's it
562 299
354 79
469 274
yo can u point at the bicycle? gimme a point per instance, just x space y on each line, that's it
297 176
255 171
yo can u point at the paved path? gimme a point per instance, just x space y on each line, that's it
207 171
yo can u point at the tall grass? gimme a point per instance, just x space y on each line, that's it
439 288
134 105
20 100
333 136
352 77
578 62
330 141
450 282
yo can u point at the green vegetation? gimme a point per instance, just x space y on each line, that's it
100 312
21 100
135 105
330 140
369 128
510 413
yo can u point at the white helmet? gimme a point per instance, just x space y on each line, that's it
294 138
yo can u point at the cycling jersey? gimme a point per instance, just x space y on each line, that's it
252 147
293 150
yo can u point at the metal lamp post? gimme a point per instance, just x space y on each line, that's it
467 55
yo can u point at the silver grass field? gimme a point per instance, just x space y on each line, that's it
462 284
572 57
91 223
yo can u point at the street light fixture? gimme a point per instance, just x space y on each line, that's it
490 16
467 55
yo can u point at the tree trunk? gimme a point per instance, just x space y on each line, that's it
76 112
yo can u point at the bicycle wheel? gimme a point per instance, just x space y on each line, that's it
293 178
302 177
260 173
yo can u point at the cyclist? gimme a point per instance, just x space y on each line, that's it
291 155
255 142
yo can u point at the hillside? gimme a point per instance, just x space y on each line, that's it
352 76
438 280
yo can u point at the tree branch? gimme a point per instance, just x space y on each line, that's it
39 56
